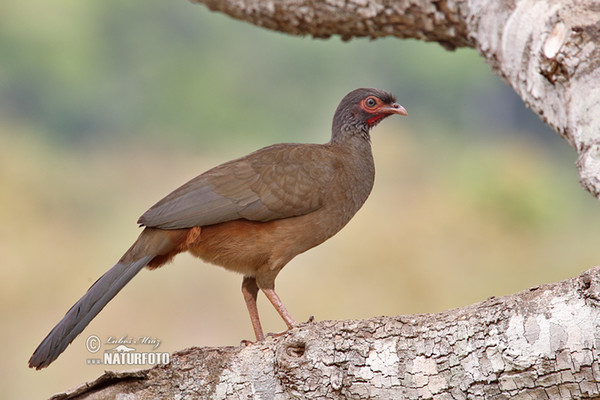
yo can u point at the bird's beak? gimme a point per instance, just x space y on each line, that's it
394 108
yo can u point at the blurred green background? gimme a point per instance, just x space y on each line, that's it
105 107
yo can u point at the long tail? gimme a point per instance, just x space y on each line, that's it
82 312
153 245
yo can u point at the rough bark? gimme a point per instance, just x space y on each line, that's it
547 50
541 343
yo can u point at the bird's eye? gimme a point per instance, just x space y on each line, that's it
370 102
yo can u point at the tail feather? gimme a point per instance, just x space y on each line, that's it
82 312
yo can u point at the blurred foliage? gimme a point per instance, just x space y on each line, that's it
115 70
105 107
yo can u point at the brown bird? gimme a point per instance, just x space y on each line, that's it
251 215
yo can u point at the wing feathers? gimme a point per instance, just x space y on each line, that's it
276 182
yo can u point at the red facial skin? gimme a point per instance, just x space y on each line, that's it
373 105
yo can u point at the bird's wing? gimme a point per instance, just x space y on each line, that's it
278 181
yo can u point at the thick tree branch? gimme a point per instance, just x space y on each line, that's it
547 50
432 21
541 343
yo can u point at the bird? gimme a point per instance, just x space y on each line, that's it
251 215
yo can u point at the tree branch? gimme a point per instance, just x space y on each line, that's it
541 343
432 21
547 50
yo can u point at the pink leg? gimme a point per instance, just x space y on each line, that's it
278 304
250 291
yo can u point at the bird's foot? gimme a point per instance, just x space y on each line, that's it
278 334
246 342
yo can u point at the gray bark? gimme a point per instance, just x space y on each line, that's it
541 343
547 50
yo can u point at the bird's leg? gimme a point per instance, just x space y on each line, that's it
250 291
278 304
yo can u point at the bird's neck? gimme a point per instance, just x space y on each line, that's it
355 145
355 172
351 135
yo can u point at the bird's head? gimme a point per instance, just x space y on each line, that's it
362 109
